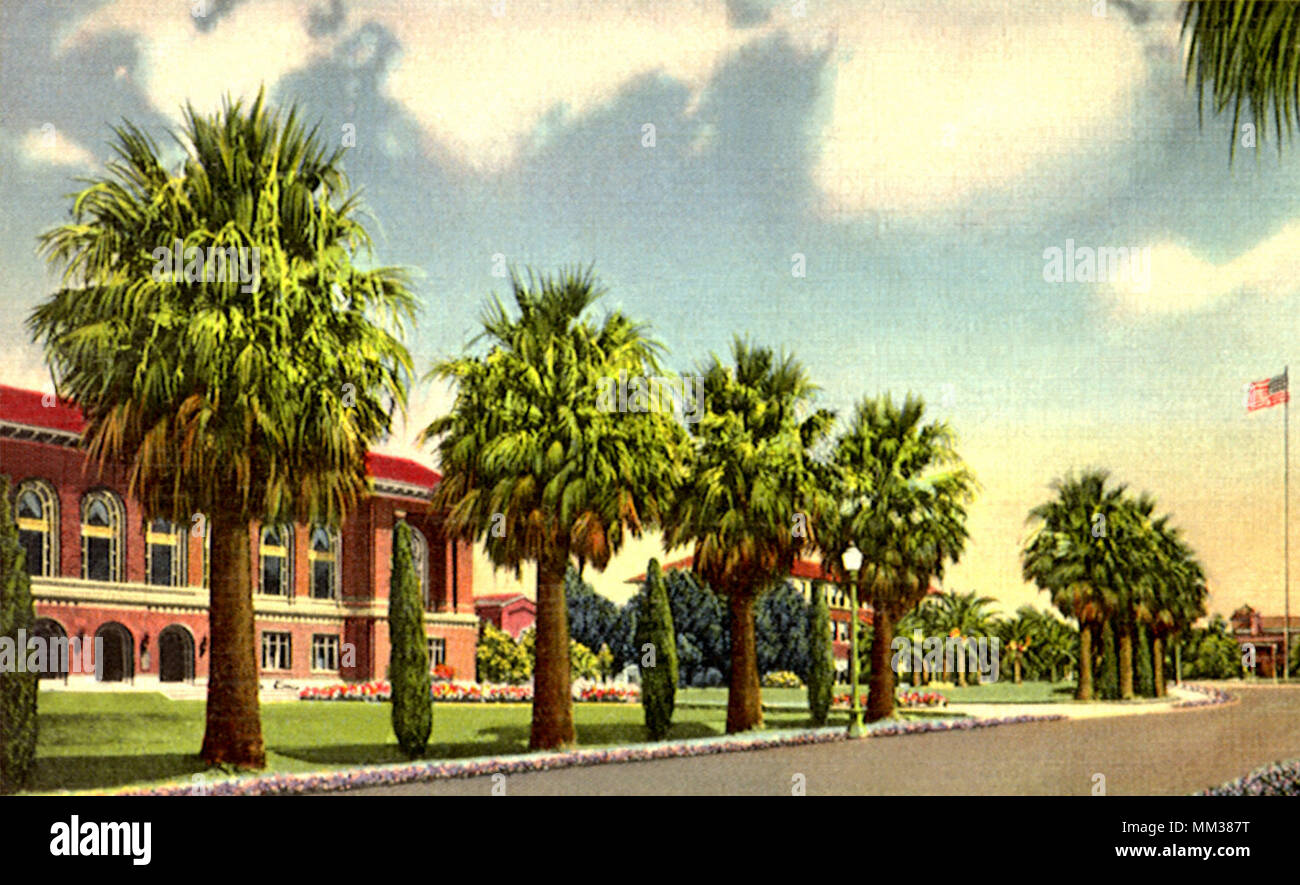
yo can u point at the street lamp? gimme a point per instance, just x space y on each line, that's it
852 560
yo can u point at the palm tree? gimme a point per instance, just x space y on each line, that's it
963 616
1054 645
241 400
900 493
1248 54
1018 634
1073 555
539 469
751 475
1172 595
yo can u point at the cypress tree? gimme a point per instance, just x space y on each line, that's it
1144 677
408 663
17 690
821 669
654 627
1108 675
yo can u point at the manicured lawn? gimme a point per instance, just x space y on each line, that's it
95 740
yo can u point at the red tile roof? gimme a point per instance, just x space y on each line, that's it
27 407
495 600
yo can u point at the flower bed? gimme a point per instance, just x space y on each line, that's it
380 691
902 699
1278 779
419 772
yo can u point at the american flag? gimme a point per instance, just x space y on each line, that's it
1267 393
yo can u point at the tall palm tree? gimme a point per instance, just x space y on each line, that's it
1248 54
751 475
964 616
240 400
1073 554
539 470
899 493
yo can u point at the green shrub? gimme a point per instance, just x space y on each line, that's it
408 667
821 669
17 690
655 628
1108 673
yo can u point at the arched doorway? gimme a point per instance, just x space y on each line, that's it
119 658
54 637
175 654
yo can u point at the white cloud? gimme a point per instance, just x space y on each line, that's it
1183 282
253 44
926 112
49 146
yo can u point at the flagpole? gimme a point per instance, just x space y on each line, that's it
1286 520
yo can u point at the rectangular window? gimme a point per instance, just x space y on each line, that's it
34 544
273 575
324 652
277 651
322 579
99 559
437 652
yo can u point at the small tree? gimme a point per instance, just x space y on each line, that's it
1108 676
17 689
657 645
1143 672
499 658
821 669
408 667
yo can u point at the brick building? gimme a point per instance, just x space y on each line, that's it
511 612
101 568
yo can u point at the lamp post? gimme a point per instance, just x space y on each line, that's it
852 560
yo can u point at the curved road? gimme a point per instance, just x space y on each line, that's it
1177 753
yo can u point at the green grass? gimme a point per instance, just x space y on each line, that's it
100 740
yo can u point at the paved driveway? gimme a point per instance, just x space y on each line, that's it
1177 753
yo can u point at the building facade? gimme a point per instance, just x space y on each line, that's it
512 612
101 568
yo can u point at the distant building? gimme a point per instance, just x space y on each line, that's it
1264 633
511 612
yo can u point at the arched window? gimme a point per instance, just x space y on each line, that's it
420 559
165 549
277 560
37 509
323 560
101 536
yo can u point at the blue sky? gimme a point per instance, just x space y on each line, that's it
921 157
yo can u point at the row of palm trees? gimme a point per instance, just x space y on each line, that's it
260 404
1106 558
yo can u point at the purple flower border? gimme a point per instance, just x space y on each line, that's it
421 772
1276 779
1212 697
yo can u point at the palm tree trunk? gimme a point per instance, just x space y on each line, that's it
1084 692
1126 663
961 662
1017 666
880 698
233 734
552 726
1158 663
744 699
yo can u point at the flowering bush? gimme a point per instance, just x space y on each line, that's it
782 679
609 694
443 673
